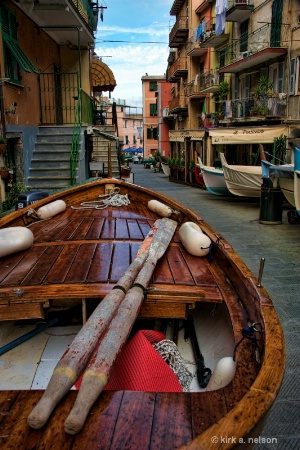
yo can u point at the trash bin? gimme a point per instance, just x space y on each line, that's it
270 203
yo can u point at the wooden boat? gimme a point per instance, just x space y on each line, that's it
244 181
81 253
165 168
282 176
296 218
214 179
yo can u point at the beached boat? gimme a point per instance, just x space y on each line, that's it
165 168
213 179
281 176
107 241
296 185
244 181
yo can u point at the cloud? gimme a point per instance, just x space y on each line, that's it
137 53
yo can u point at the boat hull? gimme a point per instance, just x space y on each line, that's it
81 254
243 181
166 169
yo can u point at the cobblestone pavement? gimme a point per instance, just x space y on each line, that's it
237 219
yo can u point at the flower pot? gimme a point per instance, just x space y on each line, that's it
3 148
4 173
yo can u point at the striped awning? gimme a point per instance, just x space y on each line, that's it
102 77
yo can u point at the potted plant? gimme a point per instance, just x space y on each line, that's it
4 172
3 144
192 171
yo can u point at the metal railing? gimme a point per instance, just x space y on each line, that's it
267 36
86 12
182 22
254 106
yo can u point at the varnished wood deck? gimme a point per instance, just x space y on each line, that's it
82 254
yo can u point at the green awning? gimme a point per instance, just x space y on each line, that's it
19 55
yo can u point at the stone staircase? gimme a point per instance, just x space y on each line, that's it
50 162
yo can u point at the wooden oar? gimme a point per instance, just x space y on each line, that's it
75 359
98 371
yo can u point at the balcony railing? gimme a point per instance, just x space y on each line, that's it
205 82
179 31
267 37
239 10
212 35
177 103
254 107
178 69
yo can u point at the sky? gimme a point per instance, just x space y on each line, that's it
143 26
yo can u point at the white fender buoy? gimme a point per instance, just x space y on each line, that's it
223 374
50 210
193 239
160 208
15 239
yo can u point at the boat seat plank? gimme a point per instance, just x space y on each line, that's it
180 271
27 263
68 231
134 423
121 229
121 261
208 408
95 229
99 429
172 421
59 270
108 230
81 264
99 269
45 262
200 269
83 228
134 230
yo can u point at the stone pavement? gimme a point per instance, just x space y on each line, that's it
237 219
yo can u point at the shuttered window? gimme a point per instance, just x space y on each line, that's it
14 56
153 86
293 76
153 109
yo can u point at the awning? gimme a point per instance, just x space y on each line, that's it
181 135
102 77
251 135
19 54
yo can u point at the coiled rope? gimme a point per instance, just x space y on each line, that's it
169 352
113 198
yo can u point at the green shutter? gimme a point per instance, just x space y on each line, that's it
9 30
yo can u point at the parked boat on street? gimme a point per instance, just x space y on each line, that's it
214 179
155 284
244 181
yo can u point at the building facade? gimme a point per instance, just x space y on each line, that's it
234 70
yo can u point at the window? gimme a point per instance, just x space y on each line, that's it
127 140
134 139
125 123
153 86
152 133
14 57
153 109
293 88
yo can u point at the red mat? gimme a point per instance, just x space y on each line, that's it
141 368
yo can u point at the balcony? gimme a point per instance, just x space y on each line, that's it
210 36
176 7
179 32
178 105
194 49
258 47
255 108
65 21
178 69
239 10
203 5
